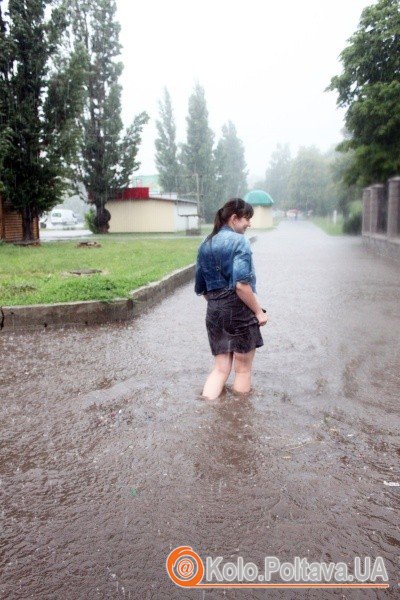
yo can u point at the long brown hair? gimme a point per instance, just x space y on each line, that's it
234 206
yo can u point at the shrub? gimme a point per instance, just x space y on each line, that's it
90 220
353 224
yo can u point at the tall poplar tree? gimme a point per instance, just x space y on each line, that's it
230 164
108 153
40 99
166 148
197 154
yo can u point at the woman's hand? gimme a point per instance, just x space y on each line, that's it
262 317
247 296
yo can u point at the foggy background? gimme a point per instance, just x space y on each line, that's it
264 65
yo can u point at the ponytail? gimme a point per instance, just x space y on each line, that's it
234 206
218 222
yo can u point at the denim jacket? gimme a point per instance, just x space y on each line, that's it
224 260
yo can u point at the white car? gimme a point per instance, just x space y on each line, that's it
63 216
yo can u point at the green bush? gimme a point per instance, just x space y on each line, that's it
90 220
353 224
355 207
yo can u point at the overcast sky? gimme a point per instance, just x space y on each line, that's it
263 64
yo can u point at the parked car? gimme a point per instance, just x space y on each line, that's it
63 216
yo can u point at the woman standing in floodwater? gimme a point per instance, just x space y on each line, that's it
225 276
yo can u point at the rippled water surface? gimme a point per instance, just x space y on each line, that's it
109 459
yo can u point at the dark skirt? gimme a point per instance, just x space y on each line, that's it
231 325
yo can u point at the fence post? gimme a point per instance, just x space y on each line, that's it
366 215
377 198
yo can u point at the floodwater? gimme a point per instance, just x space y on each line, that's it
109 459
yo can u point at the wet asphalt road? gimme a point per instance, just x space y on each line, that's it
109 459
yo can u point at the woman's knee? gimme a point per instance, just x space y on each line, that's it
223 363
243 362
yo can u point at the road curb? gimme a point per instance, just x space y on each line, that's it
93 312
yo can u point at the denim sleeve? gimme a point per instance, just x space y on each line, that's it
200 284
242 263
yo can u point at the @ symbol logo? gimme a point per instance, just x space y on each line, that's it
185 567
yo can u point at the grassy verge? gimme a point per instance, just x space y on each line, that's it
40 275
329 226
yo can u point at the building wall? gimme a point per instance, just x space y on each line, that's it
141 216
262 217
11 224
180 222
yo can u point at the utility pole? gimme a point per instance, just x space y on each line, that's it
199 207
199 202
197 194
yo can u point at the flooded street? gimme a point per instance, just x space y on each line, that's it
109 459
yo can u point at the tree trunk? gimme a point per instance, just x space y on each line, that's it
27 223
102 220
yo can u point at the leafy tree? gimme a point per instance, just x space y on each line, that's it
5 135
259 184
197 154
278 174
5 131
109 154
339 164
64 103
369 88
37 135
166 147
316 182
230 165
309 178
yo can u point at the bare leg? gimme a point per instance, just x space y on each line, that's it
243 364
218 376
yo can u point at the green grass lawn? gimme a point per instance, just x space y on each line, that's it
328 226
40 274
